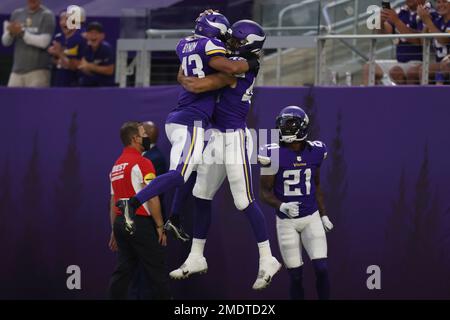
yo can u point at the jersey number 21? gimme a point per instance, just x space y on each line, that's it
292 181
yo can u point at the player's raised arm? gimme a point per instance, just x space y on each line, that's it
225 65
212 82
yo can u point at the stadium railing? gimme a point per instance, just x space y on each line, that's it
321 52
166 40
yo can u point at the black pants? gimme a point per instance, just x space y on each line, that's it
143 247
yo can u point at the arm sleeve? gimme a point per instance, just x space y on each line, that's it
44 37
41 41
7 39
148 170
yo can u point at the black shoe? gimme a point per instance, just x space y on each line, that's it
177 231
129 213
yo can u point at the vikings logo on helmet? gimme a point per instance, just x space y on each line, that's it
293 123
214 25
246 36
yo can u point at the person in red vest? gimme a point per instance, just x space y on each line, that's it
138 238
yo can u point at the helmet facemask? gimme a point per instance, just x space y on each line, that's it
292 128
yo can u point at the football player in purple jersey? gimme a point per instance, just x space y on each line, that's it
290 183
227 155
200 54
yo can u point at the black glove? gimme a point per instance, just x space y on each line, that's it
253 64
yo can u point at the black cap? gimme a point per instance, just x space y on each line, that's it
95 26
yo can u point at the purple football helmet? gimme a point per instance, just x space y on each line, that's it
246 36
214 25
293 124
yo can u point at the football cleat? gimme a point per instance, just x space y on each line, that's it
192 265
268 267
176 230
129 214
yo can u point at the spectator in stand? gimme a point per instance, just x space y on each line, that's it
30 29
438 23
67 48
408 51
97 63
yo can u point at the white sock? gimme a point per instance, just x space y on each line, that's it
198 246
264 249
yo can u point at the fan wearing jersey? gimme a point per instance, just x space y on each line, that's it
293 189
439 23
200 55
227 154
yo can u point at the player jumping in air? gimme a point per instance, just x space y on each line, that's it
200 54
227 154
293 189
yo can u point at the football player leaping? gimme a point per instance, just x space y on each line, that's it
293 189
200 55
227 154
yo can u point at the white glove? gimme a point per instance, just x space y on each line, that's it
290 209
327 225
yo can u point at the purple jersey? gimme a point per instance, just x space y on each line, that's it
441 49
294 180
407 51
194 53
73 48
234 102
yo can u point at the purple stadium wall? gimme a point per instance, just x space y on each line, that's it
387 181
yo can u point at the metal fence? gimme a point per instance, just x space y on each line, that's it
321 52
140 65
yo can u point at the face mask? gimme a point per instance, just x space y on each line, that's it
146 143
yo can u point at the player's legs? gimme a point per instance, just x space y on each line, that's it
210 177
187 146
315 242
238 168
173 224
238 147
182 194
290 248
211 172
